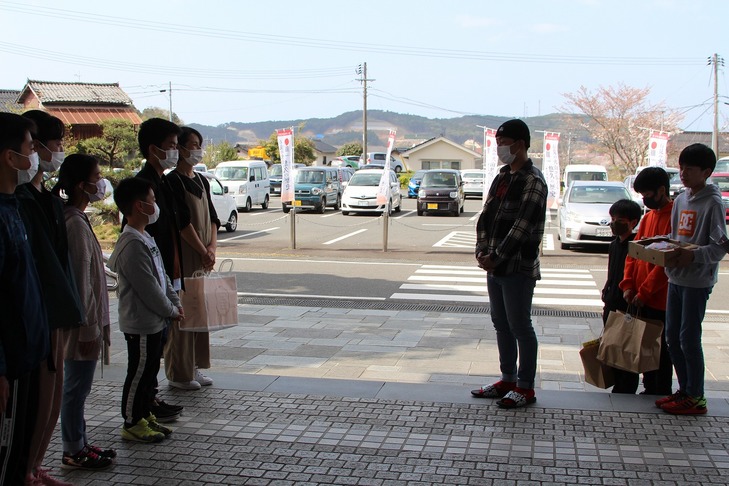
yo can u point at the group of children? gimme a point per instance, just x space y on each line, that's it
55 301
677 294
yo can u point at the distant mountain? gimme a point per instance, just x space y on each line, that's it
347 128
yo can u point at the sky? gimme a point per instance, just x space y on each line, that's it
250 61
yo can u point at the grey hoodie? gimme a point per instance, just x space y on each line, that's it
144 306
696 217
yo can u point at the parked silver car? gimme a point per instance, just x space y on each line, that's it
584 212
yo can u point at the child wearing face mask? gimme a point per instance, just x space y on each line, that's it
147 304
44 221
624 215
79 179
644 285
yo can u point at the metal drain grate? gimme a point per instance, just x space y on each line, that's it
403 306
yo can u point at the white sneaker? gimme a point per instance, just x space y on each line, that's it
202 379
185 385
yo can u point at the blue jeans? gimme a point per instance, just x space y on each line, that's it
685 310
510 297
77 379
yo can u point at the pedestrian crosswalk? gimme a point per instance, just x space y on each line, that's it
450 283
467 239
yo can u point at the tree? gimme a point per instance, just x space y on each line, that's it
116 145
620 120
350 149
303 149
157 112
219 152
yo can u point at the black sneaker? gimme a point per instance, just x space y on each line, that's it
173 408
86 459
164 415
110 453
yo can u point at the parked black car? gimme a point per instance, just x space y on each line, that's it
441 190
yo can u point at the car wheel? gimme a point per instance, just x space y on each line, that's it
232 224
420 212
456 213
564 246
463 208
345 213
265 203
323 206
285 208
338 204
399 205
398 169
248 205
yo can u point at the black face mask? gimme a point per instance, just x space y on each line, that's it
619 228
652 203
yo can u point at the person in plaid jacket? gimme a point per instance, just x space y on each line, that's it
508 237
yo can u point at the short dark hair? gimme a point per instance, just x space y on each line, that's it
13 128
48 127
75 168
650 179
698 155
186 133
153 132
626 208
129 191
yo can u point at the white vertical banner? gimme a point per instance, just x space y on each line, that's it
550 167
286 153
657 144
490 159
383 191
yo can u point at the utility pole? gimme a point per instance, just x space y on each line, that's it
170 100
362 70
716 60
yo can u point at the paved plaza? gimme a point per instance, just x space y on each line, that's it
327 395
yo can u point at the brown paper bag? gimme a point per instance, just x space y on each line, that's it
631 343
596 373
210 302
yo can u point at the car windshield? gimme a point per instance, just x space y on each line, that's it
597 194
438 179
310 176
586 176
418 175
366 179
275 170
722 182
473 175
232 173
676 178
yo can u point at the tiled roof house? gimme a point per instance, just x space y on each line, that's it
81 105
8 101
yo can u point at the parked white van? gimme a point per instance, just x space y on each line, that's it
247 181
583 172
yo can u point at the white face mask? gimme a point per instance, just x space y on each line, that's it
54 164
170 160
100 191
195 157
26 175
504 154
152 218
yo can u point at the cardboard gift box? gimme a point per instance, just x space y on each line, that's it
639 250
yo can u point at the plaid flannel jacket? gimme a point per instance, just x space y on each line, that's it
510 229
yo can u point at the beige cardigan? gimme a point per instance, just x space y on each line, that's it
87 262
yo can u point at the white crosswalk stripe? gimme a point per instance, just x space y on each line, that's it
467 239
558 287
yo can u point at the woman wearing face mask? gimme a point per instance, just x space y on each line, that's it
42 215
80 180
187 352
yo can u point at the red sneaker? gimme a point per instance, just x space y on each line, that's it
670 398
686 406
497 390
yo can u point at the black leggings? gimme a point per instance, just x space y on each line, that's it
144 353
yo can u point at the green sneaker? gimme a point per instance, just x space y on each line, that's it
157 427
141 432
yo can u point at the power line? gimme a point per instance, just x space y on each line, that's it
274 39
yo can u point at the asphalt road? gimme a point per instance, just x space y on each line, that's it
428 259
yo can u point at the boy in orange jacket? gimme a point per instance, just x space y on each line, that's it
645 285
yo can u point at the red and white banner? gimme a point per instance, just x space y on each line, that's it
490 159
286 153
657 149
383 191
550 167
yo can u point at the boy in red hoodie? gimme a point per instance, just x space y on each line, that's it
645 285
